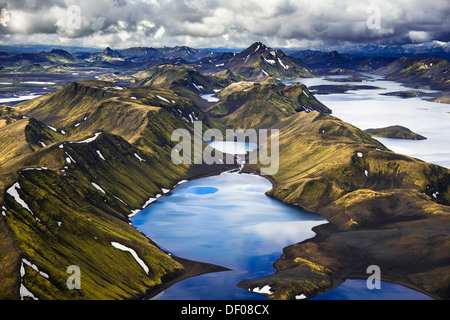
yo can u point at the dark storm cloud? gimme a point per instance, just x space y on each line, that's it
224 22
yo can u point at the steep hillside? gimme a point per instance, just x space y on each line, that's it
105 153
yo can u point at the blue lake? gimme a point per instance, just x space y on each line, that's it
225 220
228 220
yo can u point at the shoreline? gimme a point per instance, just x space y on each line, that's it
190 268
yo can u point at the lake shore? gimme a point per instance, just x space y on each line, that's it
190 268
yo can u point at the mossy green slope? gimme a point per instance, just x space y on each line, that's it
80 187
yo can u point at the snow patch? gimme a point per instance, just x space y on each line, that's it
150 200
133 253
359 154
100 155
38 168
88 140
286 67
98 187
69 159
162 98
198 87
137 156
34 267
120 200
263 290
12 191
300 296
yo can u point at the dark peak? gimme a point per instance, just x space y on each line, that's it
257 47
334 53
59 51
110 52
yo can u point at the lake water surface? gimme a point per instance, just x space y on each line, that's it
225 220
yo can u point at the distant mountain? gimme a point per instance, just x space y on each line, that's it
434 49
256 63
141 54
333 59
107 55
56 56
432 72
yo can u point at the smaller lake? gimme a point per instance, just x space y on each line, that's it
232 147
210 97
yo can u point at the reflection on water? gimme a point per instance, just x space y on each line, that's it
225 220
228 220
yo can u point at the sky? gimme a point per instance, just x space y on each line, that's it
222 23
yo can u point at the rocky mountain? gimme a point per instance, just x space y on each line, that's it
256 63
107 55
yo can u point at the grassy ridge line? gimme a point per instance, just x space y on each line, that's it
284 101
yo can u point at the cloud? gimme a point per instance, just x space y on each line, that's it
222 23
